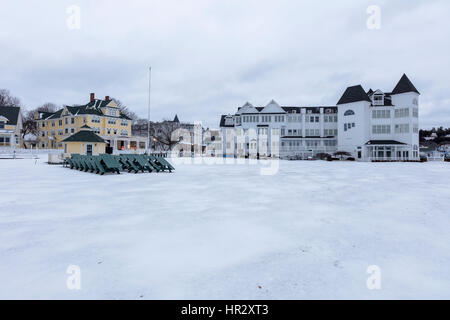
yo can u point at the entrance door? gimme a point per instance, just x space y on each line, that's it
89 149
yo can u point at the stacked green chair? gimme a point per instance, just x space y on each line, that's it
110 163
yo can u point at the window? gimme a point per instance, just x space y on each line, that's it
415 128
378 100
112 121
66 121
124 122
124 132
349 113
89 149
415 112
72 120
112 112
312 132
381 129
66 131
381 114
402 113
72 130
330 132
266 118
60 122
2 124
43 124
402 128
330 143
95 119
330 118
415 102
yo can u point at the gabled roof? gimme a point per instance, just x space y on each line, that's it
84 136
354 94
248 108
272 107
92 108
10 113
404 85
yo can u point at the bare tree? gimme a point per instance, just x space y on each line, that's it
47 107
28 125
125 110
7 100
163 134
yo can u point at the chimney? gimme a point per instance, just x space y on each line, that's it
106 98
92 96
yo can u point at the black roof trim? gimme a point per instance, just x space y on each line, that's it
354 94
404 85
384 142
10 113
84 136
222 122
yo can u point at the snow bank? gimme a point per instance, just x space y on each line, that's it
226 231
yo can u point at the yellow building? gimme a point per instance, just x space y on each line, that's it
102 116
84 142
10 127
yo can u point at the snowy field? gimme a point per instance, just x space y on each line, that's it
310 231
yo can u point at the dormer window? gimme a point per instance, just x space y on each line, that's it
229 121
378 99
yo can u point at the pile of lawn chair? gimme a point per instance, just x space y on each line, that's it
105 163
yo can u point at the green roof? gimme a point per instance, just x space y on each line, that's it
84 136
93 108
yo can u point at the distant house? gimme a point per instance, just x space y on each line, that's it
431 137
84 142
10 127
431 153
371 125
103 116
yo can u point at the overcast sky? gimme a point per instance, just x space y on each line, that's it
210 57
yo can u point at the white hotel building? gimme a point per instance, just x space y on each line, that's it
372 125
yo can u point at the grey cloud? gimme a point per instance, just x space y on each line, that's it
210 57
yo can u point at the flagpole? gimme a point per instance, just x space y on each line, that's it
148 118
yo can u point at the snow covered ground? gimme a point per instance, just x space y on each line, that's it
226 232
